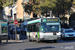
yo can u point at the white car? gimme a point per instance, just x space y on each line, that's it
67 34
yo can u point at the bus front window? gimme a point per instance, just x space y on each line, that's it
50 28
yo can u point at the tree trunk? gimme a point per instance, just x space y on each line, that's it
0 13
46 12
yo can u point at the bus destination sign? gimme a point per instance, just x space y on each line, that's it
50 20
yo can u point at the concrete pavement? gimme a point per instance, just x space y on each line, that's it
13 41
60 45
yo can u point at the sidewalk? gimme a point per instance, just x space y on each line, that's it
12 41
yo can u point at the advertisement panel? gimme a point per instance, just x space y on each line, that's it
4 28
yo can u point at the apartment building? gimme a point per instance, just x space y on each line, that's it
19 9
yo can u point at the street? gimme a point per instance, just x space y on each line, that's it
32 24
26 45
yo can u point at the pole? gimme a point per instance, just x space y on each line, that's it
50 13
0 38
0 31
15 27
15 33
7 29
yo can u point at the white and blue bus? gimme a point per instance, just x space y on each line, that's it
44 29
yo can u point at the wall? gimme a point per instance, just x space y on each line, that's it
19 9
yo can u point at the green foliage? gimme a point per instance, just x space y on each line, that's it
28 8
44 6
47 5
34 6
1 3
63 18
73 2
62 6
7 3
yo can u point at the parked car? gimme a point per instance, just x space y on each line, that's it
12 30
67 34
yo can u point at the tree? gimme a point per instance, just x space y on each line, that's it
44 6
47 5
73 2
7 3
63 6
1 3
33 7
63 19
4 3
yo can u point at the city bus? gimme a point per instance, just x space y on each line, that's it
44 29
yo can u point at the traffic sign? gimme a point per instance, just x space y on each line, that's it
15 22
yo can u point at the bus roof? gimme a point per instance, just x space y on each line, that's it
38 20
34 21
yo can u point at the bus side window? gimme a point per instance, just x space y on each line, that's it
34 28
31 28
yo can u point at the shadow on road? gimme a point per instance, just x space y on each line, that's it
40 48
66 41
58 41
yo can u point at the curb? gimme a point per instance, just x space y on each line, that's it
4 41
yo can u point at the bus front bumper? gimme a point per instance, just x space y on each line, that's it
51 38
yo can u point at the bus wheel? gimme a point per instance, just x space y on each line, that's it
37 40
55 41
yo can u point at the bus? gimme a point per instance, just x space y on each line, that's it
44 29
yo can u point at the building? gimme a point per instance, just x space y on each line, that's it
13 11
6 12
19 9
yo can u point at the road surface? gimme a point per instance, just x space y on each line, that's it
26 45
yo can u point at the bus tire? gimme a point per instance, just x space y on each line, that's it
37 40
55 41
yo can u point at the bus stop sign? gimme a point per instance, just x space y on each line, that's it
15 22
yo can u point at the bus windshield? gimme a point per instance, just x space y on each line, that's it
49 28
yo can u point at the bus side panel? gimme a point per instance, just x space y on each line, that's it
38 34
28 33
33 35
